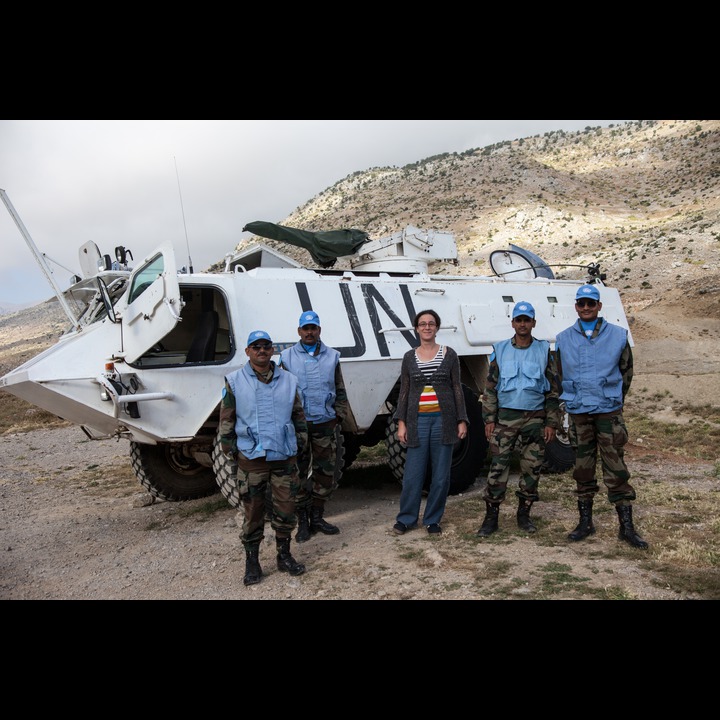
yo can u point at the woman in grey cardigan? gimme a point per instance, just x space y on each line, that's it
431 418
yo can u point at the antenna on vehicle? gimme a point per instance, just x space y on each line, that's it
187 242
40 259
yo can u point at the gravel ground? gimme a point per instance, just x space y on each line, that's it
75 525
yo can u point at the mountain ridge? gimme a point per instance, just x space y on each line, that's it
641 198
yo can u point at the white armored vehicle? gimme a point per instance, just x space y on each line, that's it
148 348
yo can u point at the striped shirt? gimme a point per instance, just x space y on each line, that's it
428 397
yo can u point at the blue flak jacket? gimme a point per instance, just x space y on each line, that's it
263 413
591 378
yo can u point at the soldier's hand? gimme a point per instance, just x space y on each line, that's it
489 430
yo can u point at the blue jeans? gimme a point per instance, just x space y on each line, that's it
416 462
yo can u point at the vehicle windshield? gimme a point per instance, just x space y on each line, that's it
85 299
146 276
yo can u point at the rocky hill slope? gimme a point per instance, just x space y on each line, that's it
642 199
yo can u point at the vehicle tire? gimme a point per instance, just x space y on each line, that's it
396 451
167 473
559 456
468 455
353 445
340 454
225 470
370 438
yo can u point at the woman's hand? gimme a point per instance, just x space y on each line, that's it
462 430
402 432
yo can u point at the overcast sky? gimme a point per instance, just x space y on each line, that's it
115 182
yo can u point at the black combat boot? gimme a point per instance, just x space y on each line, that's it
303 531
490 523
317 524
585 527
523 516
627 529
285 561
253 571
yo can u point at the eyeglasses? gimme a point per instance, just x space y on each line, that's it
584 303
427 325
258 348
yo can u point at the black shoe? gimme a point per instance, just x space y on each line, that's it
490 522
400 528
318 524
285 561
253 571
434 529
303 533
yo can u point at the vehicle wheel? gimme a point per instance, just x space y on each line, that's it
340 454
559 456
468 455
225 474
167 473
352 444
395 450
370 438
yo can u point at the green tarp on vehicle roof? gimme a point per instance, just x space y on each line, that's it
324 247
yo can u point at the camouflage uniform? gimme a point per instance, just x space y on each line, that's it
254 476
520 431
321 452
595 368
607 433
325 403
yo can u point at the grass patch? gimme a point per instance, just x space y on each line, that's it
495 570
18 416
412 555
558 578
698 438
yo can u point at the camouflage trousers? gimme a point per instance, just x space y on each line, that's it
524 433
280 481
607 433
321 453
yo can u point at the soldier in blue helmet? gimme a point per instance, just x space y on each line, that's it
262 426
317 368
595 365
521 412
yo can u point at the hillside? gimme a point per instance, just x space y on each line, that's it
642 199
